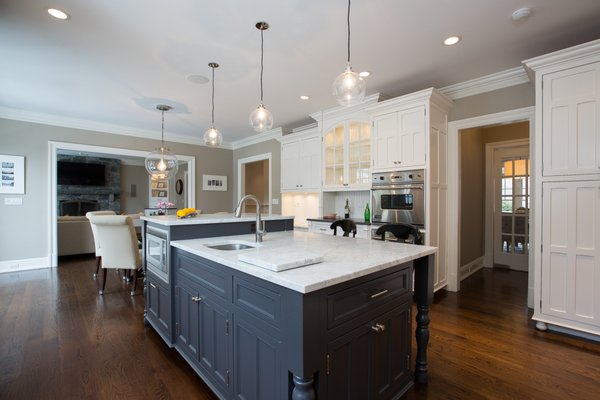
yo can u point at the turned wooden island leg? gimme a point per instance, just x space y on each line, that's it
303 389
424 273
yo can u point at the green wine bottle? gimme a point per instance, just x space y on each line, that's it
367 213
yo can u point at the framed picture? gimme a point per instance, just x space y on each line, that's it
161 184
214 183
12 174
162 193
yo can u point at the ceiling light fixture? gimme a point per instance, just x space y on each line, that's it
58 14
261 119
161 163
521 13
304 97
349 88
452 40
212 137
364 74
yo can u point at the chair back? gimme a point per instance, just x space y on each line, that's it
401 231
347 225
118 241
96 241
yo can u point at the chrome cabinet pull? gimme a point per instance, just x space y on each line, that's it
379 294
153 285
378 327
196 299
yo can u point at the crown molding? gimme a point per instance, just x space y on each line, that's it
94 126
343 111
274 133
565 58
499 80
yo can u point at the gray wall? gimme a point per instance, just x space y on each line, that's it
133 175
272 146
28 236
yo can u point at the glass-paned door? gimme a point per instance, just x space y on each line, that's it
359 153
334 156
512 204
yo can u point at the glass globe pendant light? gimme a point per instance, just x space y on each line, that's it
349 88
161 163
261 119
212 136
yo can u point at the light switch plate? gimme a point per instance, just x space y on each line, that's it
13 201
275 202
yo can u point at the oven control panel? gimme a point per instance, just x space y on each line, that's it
398 177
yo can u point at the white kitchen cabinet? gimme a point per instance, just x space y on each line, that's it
347 156
571 121
399 139
566 176
301 162
570 279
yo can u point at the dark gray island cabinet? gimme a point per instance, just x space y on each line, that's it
305 333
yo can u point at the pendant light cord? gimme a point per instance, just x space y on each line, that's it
348 23
212 123
262 44
162 130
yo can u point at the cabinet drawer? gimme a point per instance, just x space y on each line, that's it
205 272
353 301
258 300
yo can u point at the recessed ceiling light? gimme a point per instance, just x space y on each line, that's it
56 13
452 40
199 79
521 13
364 74
304 97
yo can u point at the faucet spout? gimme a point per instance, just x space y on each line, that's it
260 231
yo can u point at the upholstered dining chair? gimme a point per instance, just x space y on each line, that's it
96 241
347 225
119 245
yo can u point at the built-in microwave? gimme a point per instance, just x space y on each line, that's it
157 252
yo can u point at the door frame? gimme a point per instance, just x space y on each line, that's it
241 175
454 188
490 199
54 147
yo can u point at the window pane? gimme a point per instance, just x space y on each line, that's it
520 245
506 243
507 186
520 167
507 168
507 224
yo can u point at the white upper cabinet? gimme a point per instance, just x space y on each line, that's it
347 156
571 121
399 139
301 161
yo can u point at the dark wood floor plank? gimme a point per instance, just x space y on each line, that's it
60 340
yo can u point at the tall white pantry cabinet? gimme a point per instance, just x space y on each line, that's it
567 204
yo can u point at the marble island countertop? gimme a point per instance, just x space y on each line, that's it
342 258
220 218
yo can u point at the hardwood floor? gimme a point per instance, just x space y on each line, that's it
60 340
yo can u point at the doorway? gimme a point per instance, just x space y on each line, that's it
255 178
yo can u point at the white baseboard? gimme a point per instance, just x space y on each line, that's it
574 332
24 265
470 268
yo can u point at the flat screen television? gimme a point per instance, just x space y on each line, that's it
76 173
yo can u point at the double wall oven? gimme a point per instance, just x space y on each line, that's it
398 198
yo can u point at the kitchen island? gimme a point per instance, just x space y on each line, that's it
335 329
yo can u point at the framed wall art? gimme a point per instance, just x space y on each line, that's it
214 183
12 174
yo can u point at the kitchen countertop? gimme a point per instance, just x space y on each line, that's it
357 221
344 258
221 218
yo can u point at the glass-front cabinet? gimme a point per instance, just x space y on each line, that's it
347 156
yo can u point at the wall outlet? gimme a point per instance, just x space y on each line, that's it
13 201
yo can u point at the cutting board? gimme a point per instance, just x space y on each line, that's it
276 260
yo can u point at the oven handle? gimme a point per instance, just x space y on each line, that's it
413 186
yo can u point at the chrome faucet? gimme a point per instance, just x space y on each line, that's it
260 228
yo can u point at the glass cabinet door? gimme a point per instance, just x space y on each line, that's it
334 156
359 153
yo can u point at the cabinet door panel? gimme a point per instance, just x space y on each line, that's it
385 141
412 136
571 112
186 320
214 341
290 159
309 166
158 301
571 251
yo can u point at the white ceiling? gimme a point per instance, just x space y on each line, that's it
113 61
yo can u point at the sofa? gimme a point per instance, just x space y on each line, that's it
74 236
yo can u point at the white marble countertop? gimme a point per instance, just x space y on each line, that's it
344 258
221 218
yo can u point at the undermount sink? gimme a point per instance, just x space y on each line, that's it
237 245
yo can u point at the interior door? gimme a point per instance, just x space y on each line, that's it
511 207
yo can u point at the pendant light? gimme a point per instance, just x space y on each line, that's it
349 88
212 137
161 163
261 119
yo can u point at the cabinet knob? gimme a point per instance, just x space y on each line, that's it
196 299
378 327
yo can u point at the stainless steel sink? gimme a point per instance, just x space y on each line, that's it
230 246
